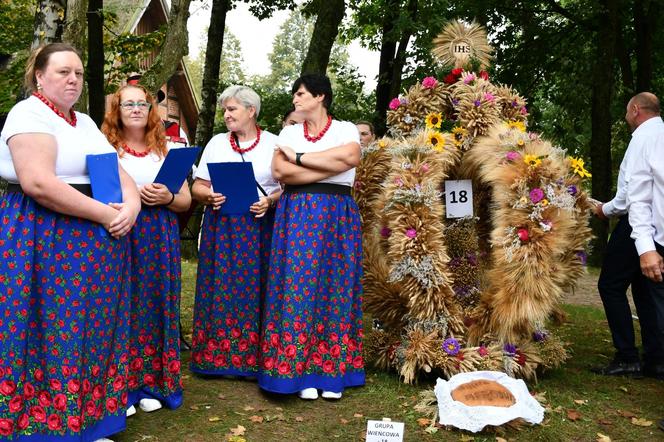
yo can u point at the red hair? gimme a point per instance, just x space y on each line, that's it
155 139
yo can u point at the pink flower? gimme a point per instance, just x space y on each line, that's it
523 235
411 233
469 78
429 83
488 96
424 168
512 156
394 104
536 195
398 181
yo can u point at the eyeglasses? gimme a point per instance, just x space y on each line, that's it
130 105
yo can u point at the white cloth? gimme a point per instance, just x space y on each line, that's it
73 143
142 169
618 205
645 190
219 150
340 132
474 418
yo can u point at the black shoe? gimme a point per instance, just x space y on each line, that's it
618 368
654 370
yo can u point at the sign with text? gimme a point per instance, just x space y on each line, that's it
384 431
459 198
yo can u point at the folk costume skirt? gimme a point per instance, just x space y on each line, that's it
312 322
154 342
230 286
64 325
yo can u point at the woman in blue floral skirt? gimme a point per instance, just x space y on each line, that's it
133 126
64 304
312 321
235 248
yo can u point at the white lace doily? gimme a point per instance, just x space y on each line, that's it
474 418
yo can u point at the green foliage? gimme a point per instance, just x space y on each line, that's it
17 18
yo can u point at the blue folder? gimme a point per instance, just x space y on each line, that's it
176 167
104 177
236 181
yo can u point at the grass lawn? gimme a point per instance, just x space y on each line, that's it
580 406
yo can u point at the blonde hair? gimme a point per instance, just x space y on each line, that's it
38 61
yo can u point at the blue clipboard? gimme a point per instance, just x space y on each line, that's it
236 181
176 167
104 177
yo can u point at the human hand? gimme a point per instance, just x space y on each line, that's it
288 152
155 194
124 219
599 213
215 199
260 207
652 265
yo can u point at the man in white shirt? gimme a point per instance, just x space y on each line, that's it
620 267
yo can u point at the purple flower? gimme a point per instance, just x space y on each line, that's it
472 259
451 346
583 257
514 103
510 349
411 233
455 102
394 104
429 83
477 103
536 195
385 232
540 335
572 190
403 100
512 156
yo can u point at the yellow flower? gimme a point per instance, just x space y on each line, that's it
382 144
577 165
437 141
459 134
523 200
520 143
518 125
544 202
434 120
532 160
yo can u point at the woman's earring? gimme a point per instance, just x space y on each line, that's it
39 87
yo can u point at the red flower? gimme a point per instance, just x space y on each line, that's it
15 404
253 338
44 398
299 367
358 362
97 392
157 364
457 72
54 422
290 351
219 360
74 423
60 402
316 357
55 384
302 338
274 340
352 345
118 383
320 328
28 390
7 387
323 347
251 360
23 421
73 386
334 337
484 75
38 375
328 366
6 427
150 350
112 404
342 368
284 368
148 379
112 370
174 367
243 345
136 364
268 363
236 332
288 337
225 345
95 370
236 360
335 351
90 408
38 413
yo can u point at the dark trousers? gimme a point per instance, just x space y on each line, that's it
620 269
657 292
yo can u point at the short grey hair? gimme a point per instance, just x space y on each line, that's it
244 94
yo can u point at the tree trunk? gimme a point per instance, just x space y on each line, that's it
95 68
176 46
48 22
75 33
600 141
215 43
400 57
330 13
645 14
388 47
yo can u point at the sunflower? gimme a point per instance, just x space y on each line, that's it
436 140
459 134
433 120
518 125
578 168
532 160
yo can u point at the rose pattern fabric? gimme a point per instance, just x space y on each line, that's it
64 313
230 285
154 342
312 321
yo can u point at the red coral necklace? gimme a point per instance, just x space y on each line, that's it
72 115
320 134
240 150
133 152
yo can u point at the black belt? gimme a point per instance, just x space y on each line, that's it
85 189
328 188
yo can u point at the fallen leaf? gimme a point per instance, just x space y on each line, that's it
431 430
541 397
641 422
573 415
238 431
299 419
214 419
279 409
605 422
274 417
558 409
256 419
193 407
423 421
580 401
627 414
248 408
343 421
500 439
623 389
358 415
221 396
602 438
